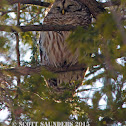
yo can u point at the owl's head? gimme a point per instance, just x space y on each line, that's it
66 6
68 12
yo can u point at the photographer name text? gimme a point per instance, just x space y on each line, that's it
50 124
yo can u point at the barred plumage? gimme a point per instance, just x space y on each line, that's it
53 48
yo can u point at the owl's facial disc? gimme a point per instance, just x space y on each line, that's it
67 6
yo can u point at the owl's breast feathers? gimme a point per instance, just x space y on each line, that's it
55 51
76 18
53 47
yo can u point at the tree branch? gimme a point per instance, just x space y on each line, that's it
44 27
37 70
17 36
35 2
95 7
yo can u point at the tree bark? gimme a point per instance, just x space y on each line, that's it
94 7
44 27
35 2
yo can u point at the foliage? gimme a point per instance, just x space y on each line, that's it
102 48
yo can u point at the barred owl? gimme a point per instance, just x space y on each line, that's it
54 50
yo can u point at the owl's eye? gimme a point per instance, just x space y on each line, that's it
70 6
58 8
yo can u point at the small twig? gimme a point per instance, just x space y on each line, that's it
14 10
17 42
91 89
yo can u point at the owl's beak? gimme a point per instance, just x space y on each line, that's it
63 11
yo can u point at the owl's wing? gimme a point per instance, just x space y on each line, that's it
43 54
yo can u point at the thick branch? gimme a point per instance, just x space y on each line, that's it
37 70
35 2
44 27
94 7
97 8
